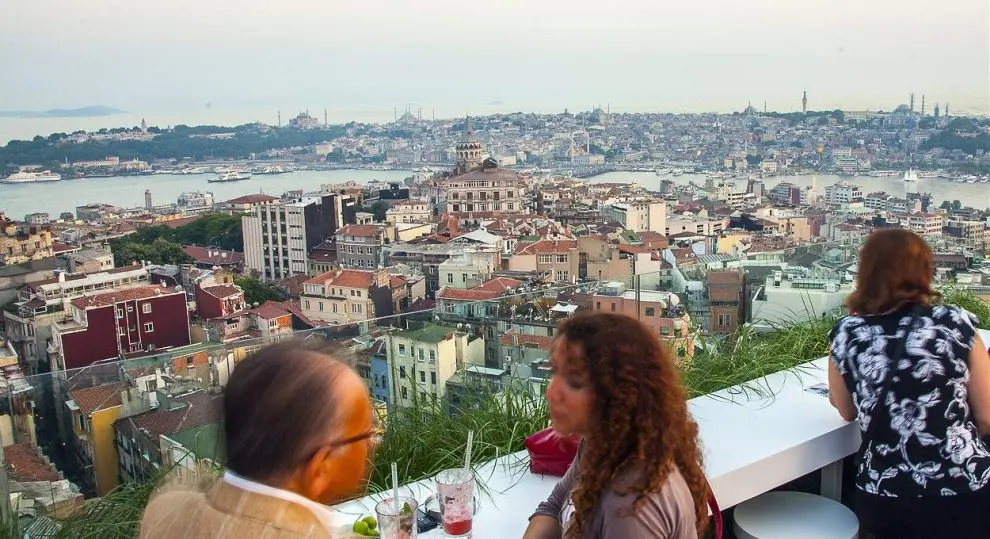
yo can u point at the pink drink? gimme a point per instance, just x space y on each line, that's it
455 493
397 523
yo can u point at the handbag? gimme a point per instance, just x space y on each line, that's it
551 453
717 525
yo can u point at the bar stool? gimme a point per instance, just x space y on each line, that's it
787 515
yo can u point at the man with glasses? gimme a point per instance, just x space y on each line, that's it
300 430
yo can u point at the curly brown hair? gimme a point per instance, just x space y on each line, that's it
639 421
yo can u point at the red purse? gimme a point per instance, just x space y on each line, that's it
550 453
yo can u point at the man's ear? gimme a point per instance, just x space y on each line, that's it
316 474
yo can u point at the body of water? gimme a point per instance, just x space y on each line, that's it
17 200
976 195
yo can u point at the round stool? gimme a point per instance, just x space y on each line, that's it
791 515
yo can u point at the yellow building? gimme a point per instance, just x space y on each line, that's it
94 411
21 242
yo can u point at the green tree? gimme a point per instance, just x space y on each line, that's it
378 209
256 291
130 249
213 230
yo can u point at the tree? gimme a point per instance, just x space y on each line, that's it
212 230
130 249
256 291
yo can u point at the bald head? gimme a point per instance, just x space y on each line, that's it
282 404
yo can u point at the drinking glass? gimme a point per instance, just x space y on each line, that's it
397 524
455 494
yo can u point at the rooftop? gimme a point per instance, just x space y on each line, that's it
223 291
345 277
252 199
431 333
97 398
111 298
363 231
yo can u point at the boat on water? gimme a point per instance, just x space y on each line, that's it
32 177
230 176
271 169
910 176
928 174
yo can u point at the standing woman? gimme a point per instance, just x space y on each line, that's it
917 377
638 472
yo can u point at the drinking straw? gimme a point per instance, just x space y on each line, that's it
395 486
467 452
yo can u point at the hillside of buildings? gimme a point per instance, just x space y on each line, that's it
121 326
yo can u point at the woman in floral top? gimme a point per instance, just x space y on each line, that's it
922 470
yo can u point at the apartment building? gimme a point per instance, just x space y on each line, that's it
842 193
787 299
489 189
422 361
409 211
637 216
558 259
22 242
117 324
361 246
924 223
468 269
726 300
40 303
661 311
278 237
346 296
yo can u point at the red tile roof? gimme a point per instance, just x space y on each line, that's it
129 294
345 277
176 223
271 310
541 341
200 409
216 257
490 289
397 281
223 291
25 464
363 231
252 199
59 248
548 247
96 398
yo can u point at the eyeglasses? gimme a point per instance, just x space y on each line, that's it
376 434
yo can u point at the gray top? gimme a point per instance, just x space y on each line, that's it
668 514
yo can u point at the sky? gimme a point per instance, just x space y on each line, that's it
226 58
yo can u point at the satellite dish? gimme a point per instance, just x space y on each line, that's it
674 300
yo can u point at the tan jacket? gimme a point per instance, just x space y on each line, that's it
228 511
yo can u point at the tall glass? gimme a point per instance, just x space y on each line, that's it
455 494
397 524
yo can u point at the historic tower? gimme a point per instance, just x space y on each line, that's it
804 103
468 151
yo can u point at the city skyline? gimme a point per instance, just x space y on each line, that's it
219 60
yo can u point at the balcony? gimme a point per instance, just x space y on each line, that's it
749 396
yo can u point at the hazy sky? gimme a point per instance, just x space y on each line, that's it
459 55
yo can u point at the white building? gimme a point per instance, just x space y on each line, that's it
467 270
421 361
842 193
409 211
637 216
786 299
278 236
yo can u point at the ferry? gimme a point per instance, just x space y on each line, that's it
32 177
273 169
230 176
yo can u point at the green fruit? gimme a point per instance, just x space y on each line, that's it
371 522
361 527
406 508
373 533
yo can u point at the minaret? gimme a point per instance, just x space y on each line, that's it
147 200
279 118
922 105
936 111
912 102
325 122
947 109
804 103
144 126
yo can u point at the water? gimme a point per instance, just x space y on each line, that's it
970 194
17 200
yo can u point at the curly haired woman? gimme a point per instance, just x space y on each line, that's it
917 378
638 472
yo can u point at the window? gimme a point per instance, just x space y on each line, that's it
321 306
82 422
334 305
122 331
402 349
146 308
464 277
561 259
433 355
665 331
422 395
422 376
307 304
404 394
650 311
151 385
120 312
598 305
359 292
402 372
613 307
352 293
149 328
356 308
433 378
450 278
130 308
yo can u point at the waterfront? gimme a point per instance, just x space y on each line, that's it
17 200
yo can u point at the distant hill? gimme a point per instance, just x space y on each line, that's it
83 112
